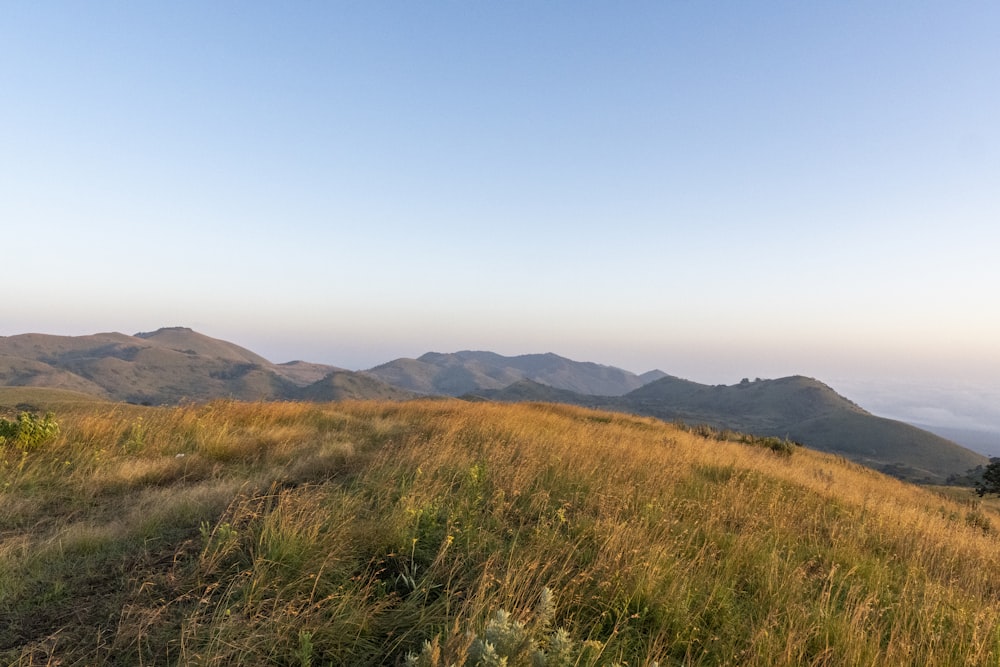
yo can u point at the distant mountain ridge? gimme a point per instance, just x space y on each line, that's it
169 365
176 364
469 371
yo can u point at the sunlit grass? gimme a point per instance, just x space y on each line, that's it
243 533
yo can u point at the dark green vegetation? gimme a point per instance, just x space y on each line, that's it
28 431
353 533
988 478
170 366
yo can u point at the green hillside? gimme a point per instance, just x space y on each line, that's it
809 412
377 533
758 405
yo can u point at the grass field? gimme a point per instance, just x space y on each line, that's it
42 398
353 533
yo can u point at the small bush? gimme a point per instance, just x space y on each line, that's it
976 518
28 431
508 642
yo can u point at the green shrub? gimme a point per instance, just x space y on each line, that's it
508 642
28 431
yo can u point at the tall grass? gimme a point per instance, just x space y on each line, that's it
351 533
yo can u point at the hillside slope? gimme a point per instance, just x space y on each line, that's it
39 400
808 411
353 533
763 404
798 408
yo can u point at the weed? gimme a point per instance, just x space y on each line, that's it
304 652
508 642
28 431
976 518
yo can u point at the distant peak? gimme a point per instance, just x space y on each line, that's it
150 334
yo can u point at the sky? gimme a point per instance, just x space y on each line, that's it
715 189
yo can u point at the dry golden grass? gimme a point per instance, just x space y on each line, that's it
349 533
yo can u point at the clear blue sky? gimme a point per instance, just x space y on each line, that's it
717 189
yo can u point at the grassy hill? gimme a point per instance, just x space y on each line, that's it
798 408
810 412
352 533
43 399
761 405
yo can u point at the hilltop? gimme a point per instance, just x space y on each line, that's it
356 533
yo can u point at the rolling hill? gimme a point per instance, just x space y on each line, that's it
809 412
801 409
169 366
345 385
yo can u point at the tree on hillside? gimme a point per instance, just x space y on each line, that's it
991 478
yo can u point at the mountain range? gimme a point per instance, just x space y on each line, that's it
175 364
465 372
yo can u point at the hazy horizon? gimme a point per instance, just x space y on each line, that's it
716 190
